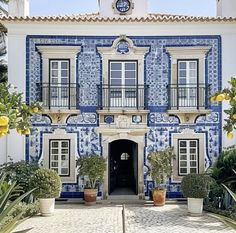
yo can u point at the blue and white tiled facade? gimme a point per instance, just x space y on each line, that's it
157 75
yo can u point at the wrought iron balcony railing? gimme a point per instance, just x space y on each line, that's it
58 95
188 96
122 96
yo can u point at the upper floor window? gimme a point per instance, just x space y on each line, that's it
60 156
188 156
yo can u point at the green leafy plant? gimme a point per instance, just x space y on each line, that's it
6 207
21 172
47 182
92 166
196 185
161 164
14 112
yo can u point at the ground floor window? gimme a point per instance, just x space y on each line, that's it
188 156
60 156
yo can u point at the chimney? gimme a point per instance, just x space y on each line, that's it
18 8
226 8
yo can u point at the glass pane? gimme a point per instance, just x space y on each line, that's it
183 170
115 66
115 74
54 73
63 157
130 82
183 157
54 164
193 170
54 65
182 73
130 66
64 163
130 74
54 151
183 163
130 94
193 143
64 171
193 164
54 144
55 157
115 82
183 150
182 144
193 65
182 81
64 73
182 65
192 150
193 73
64 65
116 94
64 144
64 151
193 157
64 80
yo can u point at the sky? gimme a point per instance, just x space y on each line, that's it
183 7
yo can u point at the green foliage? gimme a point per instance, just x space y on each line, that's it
47 182
21 172
6 207
14 110
196 185
161 164
92 166
222 171
3 72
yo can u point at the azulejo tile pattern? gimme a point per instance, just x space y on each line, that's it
157 75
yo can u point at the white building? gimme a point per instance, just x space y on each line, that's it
121 83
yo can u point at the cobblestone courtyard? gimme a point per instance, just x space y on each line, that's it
108 219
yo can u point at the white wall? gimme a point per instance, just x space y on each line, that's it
3 150
226 8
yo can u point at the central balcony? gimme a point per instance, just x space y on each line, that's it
122 97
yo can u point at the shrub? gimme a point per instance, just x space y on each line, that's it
21 172
92 166
196 185
47 182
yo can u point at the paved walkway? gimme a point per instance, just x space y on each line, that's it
108 219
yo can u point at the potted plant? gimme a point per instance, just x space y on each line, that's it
48 184
161 167
196 187
93 168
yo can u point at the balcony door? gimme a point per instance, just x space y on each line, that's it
59 83
188 83
123 83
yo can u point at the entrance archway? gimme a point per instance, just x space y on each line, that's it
123 167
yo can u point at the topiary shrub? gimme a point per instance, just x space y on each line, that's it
92 166
47 182
196 185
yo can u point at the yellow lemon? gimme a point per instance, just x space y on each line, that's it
4 120
35 109
234 116
234 98
2 135
230 135
213 99
25 132
4 129
227 97
18 130
220 97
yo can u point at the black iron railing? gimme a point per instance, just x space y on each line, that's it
59 95
188 96
122 96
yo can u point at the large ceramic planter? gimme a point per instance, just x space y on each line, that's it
159 197
47 206
90 196
195 206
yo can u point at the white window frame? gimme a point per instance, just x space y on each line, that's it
59 155
188 155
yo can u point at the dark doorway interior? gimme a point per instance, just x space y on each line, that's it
123 172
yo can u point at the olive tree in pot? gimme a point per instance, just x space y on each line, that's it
48 184
196 187
93 168
161 167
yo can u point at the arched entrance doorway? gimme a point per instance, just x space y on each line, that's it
123 167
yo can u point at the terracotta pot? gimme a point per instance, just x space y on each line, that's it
159 197
90 196
47 206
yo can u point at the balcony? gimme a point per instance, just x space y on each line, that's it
59 96
122 97
188 100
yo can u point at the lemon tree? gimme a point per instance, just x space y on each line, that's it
228 94
14 112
